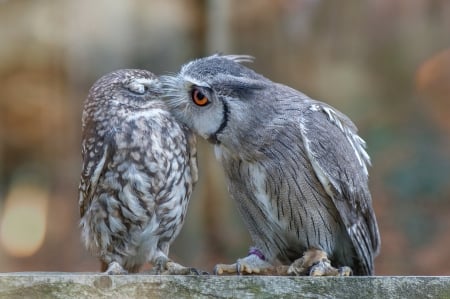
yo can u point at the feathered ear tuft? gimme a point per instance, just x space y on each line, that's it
237 58
240 84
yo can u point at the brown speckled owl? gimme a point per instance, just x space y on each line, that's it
139 168
296 168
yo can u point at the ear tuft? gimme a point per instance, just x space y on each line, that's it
240 84
237 58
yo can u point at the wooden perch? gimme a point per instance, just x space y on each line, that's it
88 285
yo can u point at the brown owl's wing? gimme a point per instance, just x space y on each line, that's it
340 162
96 156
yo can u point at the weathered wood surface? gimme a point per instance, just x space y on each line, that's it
88 285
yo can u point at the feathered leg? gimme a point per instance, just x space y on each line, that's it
253 263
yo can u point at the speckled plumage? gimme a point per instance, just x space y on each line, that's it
295 166
139 169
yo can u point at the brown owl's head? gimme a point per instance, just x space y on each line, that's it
120 93
127 88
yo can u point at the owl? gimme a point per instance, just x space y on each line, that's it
139 170
295 167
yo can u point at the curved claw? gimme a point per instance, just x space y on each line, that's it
251 264
201 272
345 271
181 270
160 266
243 267
115 268
173 268
223 269
315 262
323 268
164 266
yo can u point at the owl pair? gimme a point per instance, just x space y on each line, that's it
295 167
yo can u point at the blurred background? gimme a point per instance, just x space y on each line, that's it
385 63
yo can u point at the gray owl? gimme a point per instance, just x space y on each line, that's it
296 168
139 169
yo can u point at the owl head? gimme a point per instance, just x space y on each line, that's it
117 95
217 97
124 89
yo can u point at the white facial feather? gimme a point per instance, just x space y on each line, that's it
203 120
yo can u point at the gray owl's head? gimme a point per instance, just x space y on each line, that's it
217 97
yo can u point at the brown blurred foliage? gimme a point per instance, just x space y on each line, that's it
385 63
432 80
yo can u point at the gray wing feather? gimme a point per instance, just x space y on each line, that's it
340 162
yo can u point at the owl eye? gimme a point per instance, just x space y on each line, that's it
199 98
137 88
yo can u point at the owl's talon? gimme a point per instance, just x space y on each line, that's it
201 272
345 271
114 268
164 266
160 265
244 268
323 268
188 271
192 271
251 264
304 265
315 262
224 269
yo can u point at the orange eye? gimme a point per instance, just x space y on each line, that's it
199 98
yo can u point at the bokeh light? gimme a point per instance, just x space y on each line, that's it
23 222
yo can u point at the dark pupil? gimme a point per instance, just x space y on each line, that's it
200 95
